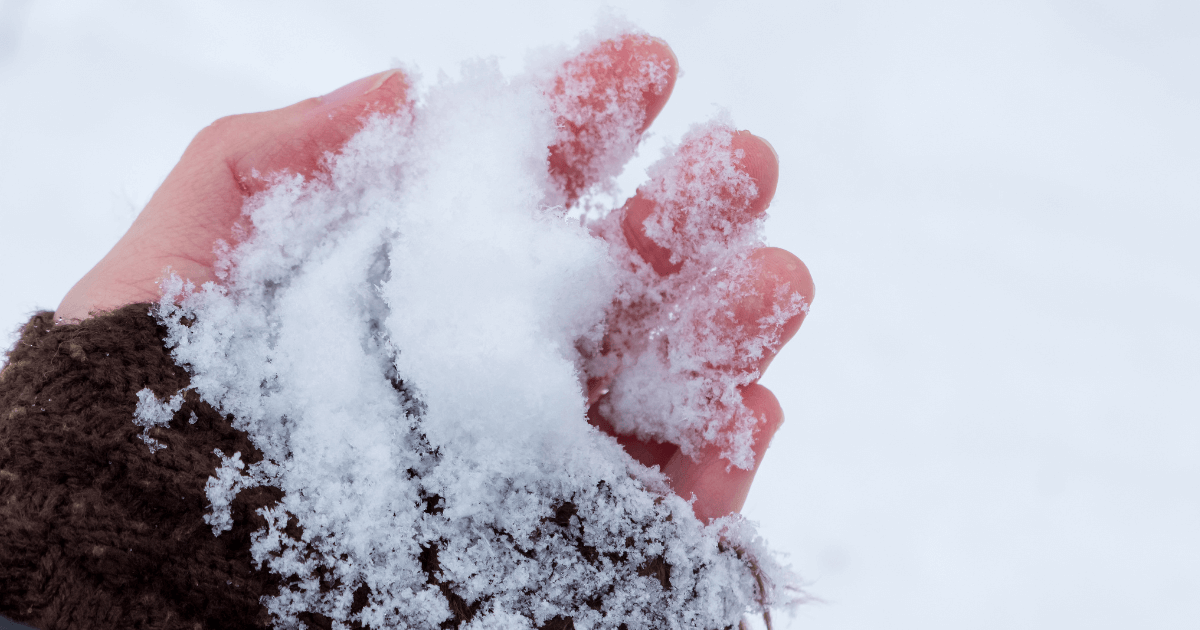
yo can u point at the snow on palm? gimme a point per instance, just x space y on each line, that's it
407 340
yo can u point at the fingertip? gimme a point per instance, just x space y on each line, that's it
762 402
605 98
391 93
751 155
778 276
658 53
781 278
760 161
382 91
297 138
781 267
720 489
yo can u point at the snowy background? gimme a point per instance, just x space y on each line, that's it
994 407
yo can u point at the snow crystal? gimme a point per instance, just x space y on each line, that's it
407 341
151 412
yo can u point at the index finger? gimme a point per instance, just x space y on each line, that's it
604 99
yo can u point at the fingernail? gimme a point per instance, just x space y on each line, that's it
357 89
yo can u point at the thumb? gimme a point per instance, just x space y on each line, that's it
296 139
201 199
233 158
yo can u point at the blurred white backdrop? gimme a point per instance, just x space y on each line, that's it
993 414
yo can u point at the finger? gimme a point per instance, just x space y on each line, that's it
718 488
603 100
694 200
768 312
298 138
756 326
237 156
202 197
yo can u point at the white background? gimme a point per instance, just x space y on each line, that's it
992 409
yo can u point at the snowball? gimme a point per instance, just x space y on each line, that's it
407 341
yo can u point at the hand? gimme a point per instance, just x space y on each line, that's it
201 202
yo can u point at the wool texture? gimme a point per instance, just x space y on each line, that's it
96 531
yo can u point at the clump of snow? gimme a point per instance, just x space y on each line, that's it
406 341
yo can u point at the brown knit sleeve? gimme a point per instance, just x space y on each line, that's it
96 531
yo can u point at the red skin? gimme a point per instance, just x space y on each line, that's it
201 201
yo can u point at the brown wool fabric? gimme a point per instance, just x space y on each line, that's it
95 531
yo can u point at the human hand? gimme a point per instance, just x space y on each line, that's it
201 203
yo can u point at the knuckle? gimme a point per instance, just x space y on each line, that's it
219 132
219 127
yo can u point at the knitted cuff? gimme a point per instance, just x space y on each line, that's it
95 530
